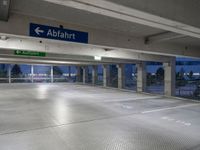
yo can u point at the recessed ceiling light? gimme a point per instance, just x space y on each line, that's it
97 58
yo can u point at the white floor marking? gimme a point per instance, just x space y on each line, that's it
169 108
126 107
131 99
181 122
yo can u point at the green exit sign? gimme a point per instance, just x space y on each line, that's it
30 53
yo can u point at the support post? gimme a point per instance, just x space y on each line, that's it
121 78
94 74
32 73
51 74
85 74
69 67
105 75
141 77
78 75
169 77
9 74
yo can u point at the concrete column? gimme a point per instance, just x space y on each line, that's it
94 74
121 77
78 75
69 71
32 73
141 77
85 74
9 74
169 78
51 75
105 75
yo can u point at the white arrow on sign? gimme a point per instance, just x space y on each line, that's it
38 31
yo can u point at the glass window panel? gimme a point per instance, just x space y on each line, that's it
100 75
89 74
4 73
113 78
20 73
130 77
188 78
73 72
155 78
60 73
42 73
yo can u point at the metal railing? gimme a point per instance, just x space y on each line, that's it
190 91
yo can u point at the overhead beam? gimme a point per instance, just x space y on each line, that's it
76 52
117 11
99 38
81 59
162 37
4 9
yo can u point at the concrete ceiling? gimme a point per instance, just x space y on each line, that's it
132 22
80 17
179 10
4 9
185 11
187 41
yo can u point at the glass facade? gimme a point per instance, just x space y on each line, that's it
61 73
187 76
24 73
130 77
4 73
41 74
155 78
89 74
20 73
99 75
72 73
113 76
64 74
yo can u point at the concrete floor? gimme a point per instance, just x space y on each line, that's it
76 117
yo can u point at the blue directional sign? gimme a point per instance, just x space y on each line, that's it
55 33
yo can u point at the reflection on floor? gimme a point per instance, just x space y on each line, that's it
77 117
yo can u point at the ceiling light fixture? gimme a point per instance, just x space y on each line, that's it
98 58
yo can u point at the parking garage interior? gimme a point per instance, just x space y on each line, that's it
99 75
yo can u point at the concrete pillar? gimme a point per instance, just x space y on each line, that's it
32 73
51 75
141 76
9 74
105 75
94 74
78 75
121 77
69 67
169 78
85 74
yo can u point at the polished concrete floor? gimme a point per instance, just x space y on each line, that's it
77 117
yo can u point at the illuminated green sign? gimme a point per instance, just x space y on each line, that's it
30 53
